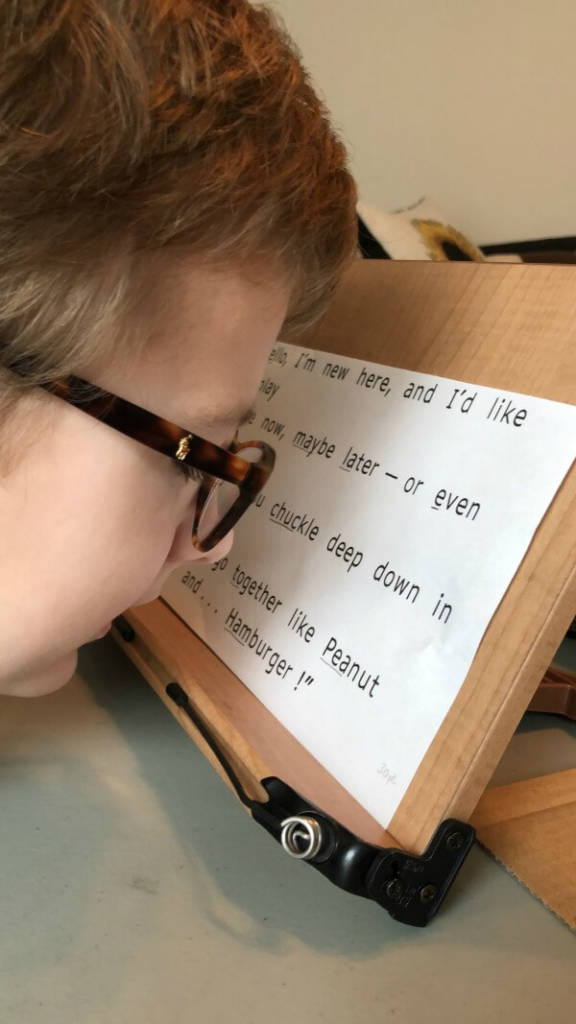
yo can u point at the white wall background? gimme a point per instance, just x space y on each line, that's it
470 102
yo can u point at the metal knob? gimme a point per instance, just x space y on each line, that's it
301 837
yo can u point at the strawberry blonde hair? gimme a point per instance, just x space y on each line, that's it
133 129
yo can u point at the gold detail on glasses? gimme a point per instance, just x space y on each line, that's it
183 449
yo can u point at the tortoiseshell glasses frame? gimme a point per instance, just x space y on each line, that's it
216 465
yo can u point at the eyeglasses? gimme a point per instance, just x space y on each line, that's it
230 480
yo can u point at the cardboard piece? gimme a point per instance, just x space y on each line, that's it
530 827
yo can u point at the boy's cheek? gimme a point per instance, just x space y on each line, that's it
47 680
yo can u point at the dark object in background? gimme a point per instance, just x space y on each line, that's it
539 250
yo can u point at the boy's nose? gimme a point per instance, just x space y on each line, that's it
220 551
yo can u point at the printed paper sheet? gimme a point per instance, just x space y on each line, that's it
361 583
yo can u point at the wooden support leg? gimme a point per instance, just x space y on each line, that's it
556 693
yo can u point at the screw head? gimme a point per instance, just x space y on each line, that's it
394 889
455 841
428 893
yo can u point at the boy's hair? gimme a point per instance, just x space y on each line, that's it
132 129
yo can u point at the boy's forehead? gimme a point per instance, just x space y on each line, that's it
202 362
209 356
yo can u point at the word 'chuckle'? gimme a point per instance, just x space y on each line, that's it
301 523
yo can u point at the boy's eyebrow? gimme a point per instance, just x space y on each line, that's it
235 417
238 416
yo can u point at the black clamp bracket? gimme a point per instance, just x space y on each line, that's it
410 887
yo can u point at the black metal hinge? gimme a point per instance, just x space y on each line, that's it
411 887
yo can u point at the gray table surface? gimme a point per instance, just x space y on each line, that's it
137 891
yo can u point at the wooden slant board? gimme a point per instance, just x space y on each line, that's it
511 327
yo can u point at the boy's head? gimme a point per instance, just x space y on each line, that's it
134 132
172 197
